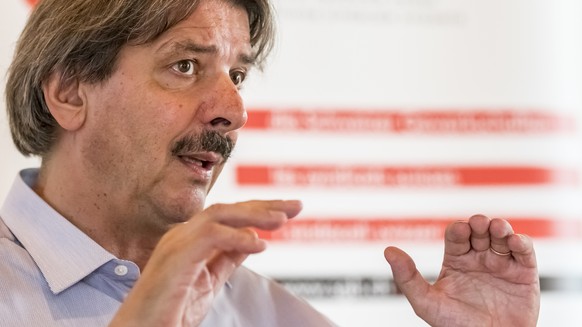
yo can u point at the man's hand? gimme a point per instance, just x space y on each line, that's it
489 277
194 260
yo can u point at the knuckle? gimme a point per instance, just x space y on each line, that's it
249 233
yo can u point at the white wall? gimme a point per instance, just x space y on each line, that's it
13 14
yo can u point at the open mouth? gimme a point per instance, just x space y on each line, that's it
205 161
204 164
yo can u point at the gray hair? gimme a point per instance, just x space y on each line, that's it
81 39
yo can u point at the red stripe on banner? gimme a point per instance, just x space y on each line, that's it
390 230
423 121
258 119
360 176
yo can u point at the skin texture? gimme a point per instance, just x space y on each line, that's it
115 175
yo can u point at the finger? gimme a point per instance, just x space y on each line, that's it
458 238
230 239
200 242
407 277
499 230
186 250
480 237
223 265
522 250
268 215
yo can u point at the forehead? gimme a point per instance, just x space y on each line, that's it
213 24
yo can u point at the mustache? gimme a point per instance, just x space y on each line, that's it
207 141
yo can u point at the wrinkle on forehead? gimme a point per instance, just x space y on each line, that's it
217 16
218 23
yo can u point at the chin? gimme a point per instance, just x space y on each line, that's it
183 208
176 201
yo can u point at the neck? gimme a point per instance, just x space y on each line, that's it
112 222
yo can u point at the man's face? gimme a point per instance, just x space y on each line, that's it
142 137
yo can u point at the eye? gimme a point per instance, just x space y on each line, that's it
238 76
185 67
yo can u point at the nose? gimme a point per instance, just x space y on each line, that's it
224 110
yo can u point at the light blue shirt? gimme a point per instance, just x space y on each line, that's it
52 274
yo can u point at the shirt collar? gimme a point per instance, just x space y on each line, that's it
62 252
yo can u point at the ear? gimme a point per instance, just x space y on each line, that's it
65 101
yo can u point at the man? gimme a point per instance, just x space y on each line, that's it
134 107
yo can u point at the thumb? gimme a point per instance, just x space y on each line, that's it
407 278
223 264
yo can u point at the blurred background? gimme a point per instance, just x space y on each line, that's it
391 118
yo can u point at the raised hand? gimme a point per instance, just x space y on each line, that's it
193 261
489 277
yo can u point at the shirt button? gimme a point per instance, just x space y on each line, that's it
120 270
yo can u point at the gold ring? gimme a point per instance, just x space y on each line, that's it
500 253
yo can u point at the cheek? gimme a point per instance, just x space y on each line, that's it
141 117
137 122
117 133
165 110
172 116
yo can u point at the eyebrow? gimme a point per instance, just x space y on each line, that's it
192 47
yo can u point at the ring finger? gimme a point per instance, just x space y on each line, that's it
499 230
